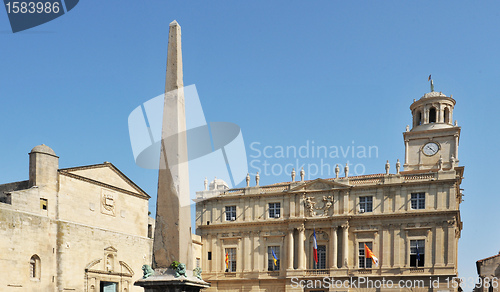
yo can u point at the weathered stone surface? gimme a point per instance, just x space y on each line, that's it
173 215
92 228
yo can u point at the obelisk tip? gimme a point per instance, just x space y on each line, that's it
174 23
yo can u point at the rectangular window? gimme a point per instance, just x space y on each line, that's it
274 210
230 213
43 204
231 255
270 258
321 258
150 231
209 256
418 200
366 204
364 263
417 252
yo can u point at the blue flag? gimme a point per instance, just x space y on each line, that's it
418 252
275 258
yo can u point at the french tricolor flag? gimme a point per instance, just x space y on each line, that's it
315 248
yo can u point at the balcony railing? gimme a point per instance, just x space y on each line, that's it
317 272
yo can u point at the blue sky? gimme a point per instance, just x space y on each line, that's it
286 72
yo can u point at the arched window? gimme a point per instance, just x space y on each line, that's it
446 115
35 267
418 118
432 115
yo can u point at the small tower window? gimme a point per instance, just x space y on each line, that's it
150 230
418 118
446 115
432 115
35 267
43 203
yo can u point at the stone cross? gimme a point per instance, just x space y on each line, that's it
172 241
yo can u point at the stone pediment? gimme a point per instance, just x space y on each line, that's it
110 249
321 185
107 174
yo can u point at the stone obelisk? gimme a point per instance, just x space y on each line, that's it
172 241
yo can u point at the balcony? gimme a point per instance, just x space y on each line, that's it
314 272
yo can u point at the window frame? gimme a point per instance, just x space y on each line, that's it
363 262
230 210
417 199
270 261
412 244
35 268
322 264
276 210
232 260
44 204
366 203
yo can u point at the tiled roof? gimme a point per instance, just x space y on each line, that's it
488 258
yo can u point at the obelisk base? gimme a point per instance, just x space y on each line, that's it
164 280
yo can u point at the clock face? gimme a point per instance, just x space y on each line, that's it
430 148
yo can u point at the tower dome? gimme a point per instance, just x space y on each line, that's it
43 149
434 110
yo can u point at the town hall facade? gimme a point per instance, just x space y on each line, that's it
409 219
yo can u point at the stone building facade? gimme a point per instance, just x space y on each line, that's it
75 229
409 219
488 270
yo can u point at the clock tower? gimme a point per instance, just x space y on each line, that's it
432 142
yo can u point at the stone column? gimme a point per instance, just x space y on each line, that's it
345 241
266 255
301 204
406 151
386 247
397 245
300 248
220 257
248 251
289 248
439 242
256 252
213 248
251 209
450 258
346 202
456 147
239 256
204 250
440 116
333 248
405 244
242 211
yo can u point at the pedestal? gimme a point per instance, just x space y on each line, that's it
164 280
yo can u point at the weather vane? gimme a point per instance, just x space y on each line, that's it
432 83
